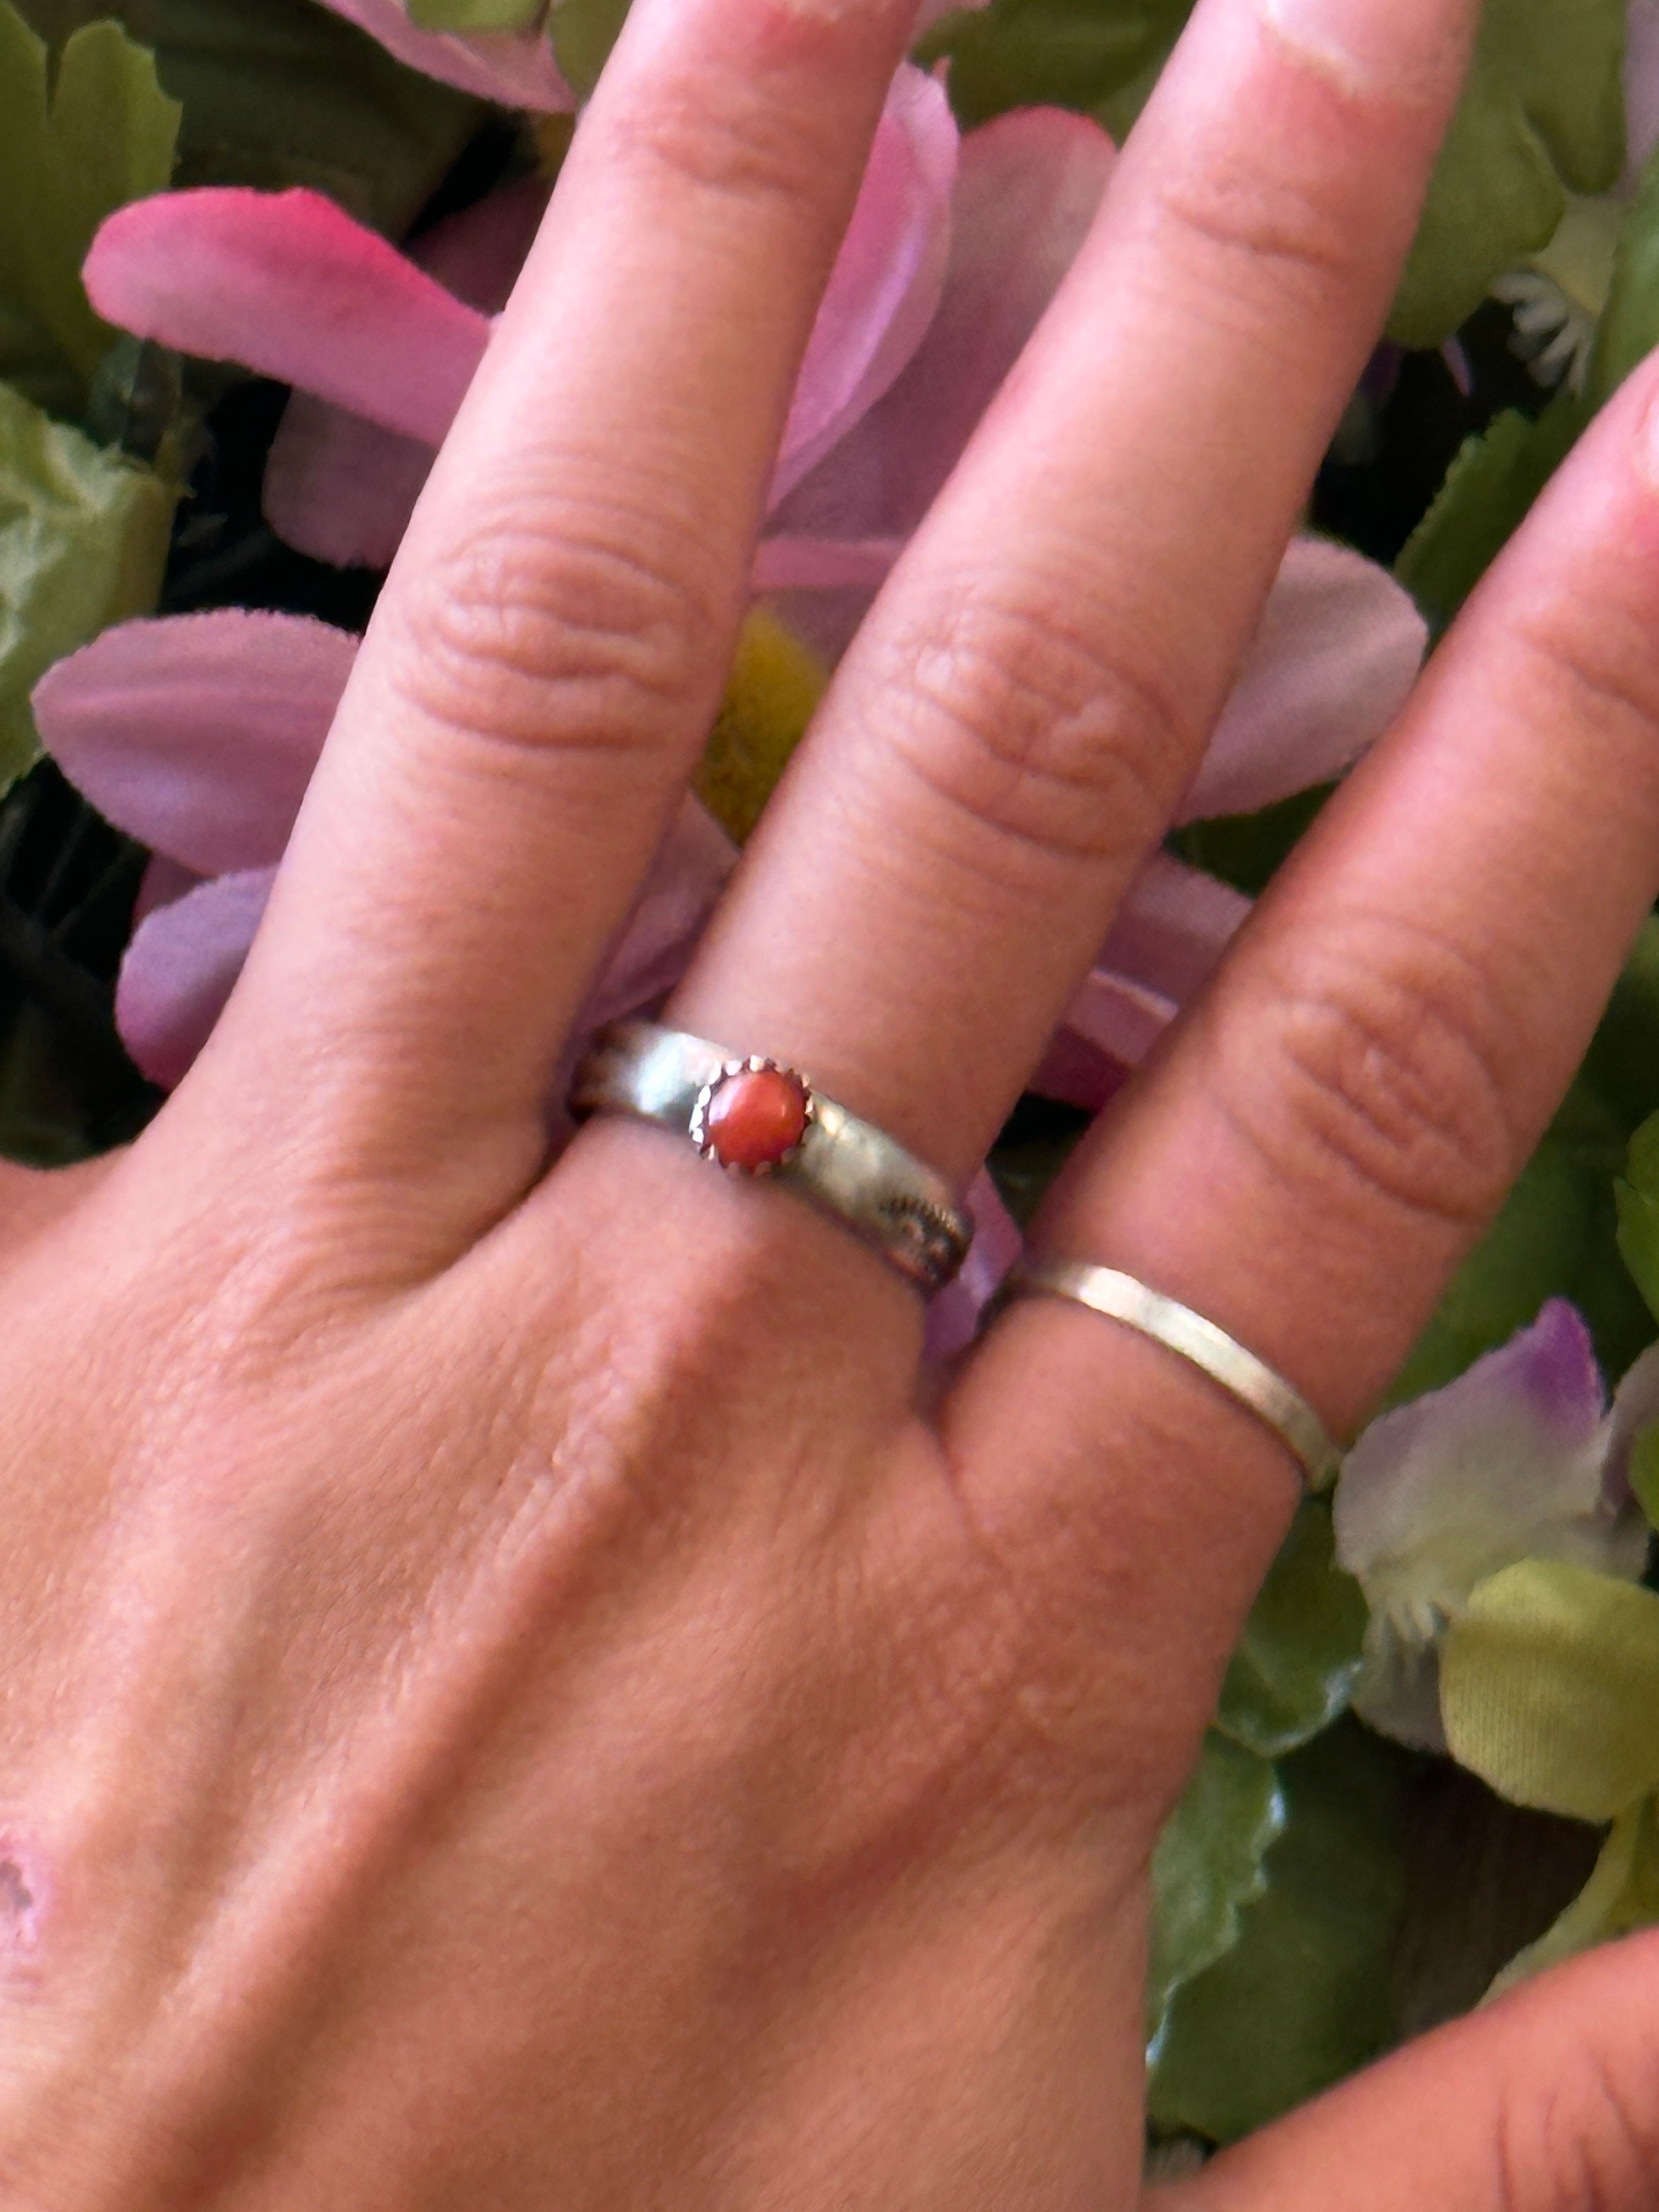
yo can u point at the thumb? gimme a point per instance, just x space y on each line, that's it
1546 2101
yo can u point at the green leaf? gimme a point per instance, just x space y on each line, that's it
284 92
1549 1689
83 543
1629 327
1301 1649
584 31
469 18
1207 1866
1302 1998
1622 1065
1542 114
1082 54
1487 495
1621 1895
74 148
1639 1211
1248 850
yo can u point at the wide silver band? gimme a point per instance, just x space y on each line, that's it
846 1166
1179 1330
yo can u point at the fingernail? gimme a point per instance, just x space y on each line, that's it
1407 48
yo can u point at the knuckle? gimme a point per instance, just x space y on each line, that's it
1375 1060
540 630
1252 225
1255 220
1587 666
1004 708
724 137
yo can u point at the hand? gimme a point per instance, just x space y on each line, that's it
508 1704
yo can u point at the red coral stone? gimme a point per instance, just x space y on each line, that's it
756 1118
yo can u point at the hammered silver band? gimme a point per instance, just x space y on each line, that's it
847 1167
1249 1380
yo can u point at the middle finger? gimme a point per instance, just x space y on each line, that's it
1008 738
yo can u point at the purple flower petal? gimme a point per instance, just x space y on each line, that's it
197 734
516 69
1167 941
181 968
953 1318
681 891
340 488
1339 648
337 486
287 284
1504 1464
165 883
888 276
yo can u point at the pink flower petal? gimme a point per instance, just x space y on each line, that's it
814 564
1168 940
888 277
288 285
197 734
340 487
1339 648
1027 190
180 969
516 69
954 1316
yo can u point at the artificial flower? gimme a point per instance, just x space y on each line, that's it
952 258
289 286
1520 1458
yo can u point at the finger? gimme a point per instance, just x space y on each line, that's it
549 652
1009 737
1544 2103
1342 1113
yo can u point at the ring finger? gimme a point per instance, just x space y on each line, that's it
1341 1115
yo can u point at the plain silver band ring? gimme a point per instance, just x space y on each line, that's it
847 1167
1244 1377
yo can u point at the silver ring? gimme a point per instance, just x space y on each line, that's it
755 1117
1244 1377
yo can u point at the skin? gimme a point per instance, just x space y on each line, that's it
507 1701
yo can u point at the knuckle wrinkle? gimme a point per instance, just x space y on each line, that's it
539 636
1010 714
1378 1055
